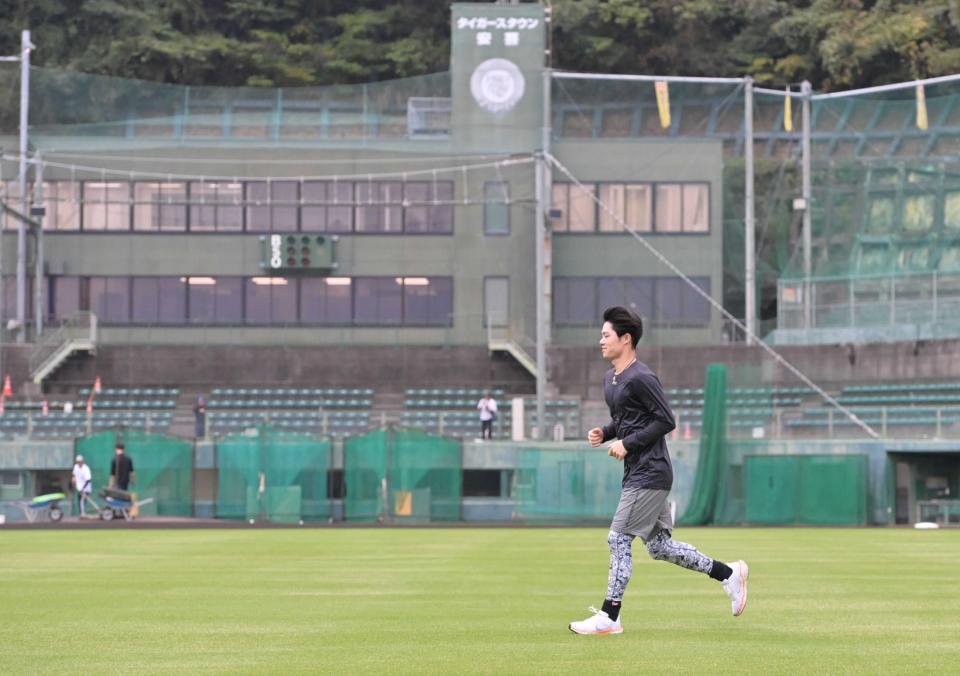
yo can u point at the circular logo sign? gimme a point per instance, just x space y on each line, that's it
497 85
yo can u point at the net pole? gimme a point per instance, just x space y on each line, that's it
38 259
543 266
540 290
806 90
750 286
22 226
3 289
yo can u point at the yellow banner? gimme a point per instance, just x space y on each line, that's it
787 112
403 503
663 103
921 108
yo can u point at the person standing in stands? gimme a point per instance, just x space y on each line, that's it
82 483
122 475
488 413
200 415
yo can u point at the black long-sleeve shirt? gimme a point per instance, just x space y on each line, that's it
641 419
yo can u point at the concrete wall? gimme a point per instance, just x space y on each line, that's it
30 455
579 370
385 369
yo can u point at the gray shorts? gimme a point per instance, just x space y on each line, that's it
641 511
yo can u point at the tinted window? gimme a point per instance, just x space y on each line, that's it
427 301
326 301
377 301
110 299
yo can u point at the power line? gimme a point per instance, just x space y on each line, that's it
286 162
371 176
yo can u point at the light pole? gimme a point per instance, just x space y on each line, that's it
24 58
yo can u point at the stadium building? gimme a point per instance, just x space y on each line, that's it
337 262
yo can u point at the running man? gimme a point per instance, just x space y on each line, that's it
641 419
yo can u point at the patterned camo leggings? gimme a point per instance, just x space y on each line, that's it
660 547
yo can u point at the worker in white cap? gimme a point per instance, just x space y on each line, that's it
82 482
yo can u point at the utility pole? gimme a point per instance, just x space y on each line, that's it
3 229
38 212
750 263
25 47
544 253
805 90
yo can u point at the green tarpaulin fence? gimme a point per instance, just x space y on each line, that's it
805 489
163 466
402 476
577 484
273 475
709 485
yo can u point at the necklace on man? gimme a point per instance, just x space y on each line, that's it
615 374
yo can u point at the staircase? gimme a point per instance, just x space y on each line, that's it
518 347
76 334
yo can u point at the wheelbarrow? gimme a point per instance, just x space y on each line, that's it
44 506
121 504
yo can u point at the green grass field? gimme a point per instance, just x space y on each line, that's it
470 601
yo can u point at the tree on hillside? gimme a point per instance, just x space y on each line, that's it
836 44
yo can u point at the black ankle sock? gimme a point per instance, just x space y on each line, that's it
720 571
611 608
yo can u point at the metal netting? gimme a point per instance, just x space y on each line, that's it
569 485
402 476
884 217
273 475
163 467
69 104
884 198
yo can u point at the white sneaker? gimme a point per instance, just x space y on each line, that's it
736 586
599 623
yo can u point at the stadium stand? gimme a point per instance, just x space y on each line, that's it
335 412
150 409
564 413
453 411
919 408
747 407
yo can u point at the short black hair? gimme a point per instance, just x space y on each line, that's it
624 321
119 445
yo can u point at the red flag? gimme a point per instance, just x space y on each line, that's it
96 386
90 404
7 386
45 409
